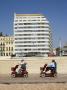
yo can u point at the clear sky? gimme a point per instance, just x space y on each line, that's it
54 10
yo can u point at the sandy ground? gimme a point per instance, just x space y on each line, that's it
33 79
40 86
46 86
33 64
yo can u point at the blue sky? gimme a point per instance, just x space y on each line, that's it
54 10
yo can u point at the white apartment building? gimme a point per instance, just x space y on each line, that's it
32 34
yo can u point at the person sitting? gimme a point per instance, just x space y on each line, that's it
51 66
43 69
18 70
55 68
23 66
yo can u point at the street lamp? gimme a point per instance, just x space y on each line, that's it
60 47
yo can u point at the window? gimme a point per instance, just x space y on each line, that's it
16 27
20 23
6 48
6 54
9 48
9 54
16 24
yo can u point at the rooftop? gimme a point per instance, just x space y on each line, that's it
29 15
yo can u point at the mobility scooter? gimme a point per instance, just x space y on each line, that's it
47 72
23 73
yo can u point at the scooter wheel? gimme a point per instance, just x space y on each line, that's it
26 75
55 75
13 75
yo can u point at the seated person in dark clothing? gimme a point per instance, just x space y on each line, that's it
42 69
18 70
23 66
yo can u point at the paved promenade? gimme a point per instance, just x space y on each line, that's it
34 64
32 79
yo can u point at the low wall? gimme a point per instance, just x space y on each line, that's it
33 64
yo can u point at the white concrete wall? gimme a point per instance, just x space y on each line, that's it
33 64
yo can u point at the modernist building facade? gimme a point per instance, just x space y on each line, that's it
6 45
32 34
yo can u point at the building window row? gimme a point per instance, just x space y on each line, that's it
31 23
2 48
31 49
32 27
31 34
5 54
32 31
20 20
6 39
31 41
6 43
9 48
30 38
31 45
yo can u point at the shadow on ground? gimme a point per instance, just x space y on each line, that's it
33 78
